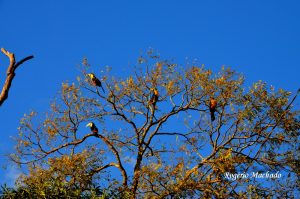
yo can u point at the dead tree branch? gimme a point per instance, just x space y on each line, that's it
10 74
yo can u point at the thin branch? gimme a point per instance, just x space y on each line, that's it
117 155
98 169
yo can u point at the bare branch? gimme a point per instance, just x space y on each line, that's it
10 74
116 153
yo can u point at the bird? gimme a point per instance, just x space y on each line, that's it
154 97
94 129
95 81
212 108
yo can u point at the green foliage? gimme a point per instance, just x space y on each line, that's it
57 190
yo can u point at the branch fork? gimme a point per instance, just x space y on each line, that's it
10 74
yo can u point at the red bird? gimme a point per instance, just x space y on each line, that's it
212 108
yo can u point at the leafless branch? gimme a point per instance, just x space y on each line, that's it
10 74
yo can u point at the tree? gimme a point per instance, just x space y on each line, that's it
166 149
10 74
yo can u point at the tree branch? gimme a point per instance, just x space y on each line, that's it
116 153
10 74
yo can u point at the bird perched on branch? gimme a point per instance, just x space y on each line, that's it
94 129
154 97
212 108
95 81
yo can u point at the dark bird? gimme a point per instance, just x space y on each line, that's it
154 97
212 108
94 129
95 81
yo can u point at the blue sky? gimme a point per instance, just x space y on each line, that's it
257 38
